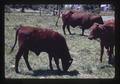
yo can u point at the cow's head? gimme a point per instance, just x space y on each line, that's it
97 19
66 61
96 31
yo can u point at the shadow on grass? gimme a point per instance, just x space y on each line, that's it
105 66
77 34
54 72
83 35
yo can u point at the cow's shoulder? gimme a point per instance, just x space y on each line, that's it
25 29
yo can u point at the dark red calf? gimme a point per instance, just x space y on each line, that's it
42 40
106 33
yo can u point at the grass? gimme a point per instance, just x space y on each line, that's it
85 53
107 13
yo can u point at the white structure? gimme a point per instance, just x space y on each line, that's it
74 6
68 6
105 7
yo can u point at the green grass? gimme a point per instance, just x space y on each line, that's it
85 53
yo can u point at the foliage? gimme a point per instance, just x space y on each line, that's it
93 8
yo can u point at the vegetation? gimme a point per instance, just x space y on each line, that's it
85 53
55 8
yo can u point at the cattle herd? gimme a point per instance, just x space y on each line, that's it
43 39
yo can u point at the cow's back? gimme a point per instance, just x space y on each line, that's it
26 29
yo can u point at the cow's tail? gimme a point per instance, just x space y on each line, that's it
17 30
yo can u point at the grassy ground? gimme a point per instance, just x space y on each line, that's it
85 53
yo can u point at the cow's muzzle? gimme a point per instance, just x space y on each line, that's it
67 65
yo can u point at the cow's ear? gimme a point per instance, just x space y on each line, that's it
95 24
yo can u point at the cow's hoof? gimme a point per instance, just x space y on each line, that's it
30 69
65 71
59 70
17 71
111 62
51 69
81 34
100 60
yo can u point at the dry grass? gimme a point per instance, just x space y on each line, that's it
85 53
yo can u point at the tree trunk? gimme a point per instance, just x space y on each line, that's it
58 16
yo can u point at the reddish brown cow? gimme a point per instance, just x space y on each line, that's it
82 19
42 40
107 36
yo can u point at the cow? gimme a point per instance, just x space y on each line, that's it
83 19
106 33
38 40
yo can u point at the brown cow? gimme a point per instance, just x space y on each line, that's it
42 40
107 36
82 19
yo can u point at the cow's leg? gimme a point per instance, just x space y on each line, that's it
57 63
18 56
25 55
68 27
102 51
64 29
50 61
83 31
110 54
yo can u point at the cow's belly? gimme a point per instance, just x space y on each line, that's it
38 51
74 23
108 44
39 48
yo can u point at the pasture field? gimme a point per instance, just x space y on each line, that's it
85 52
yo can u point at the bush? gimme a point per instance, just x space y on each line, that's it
7 9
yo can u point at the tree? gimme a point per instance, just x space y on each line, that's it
92 8
7 9
60 7
112 7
